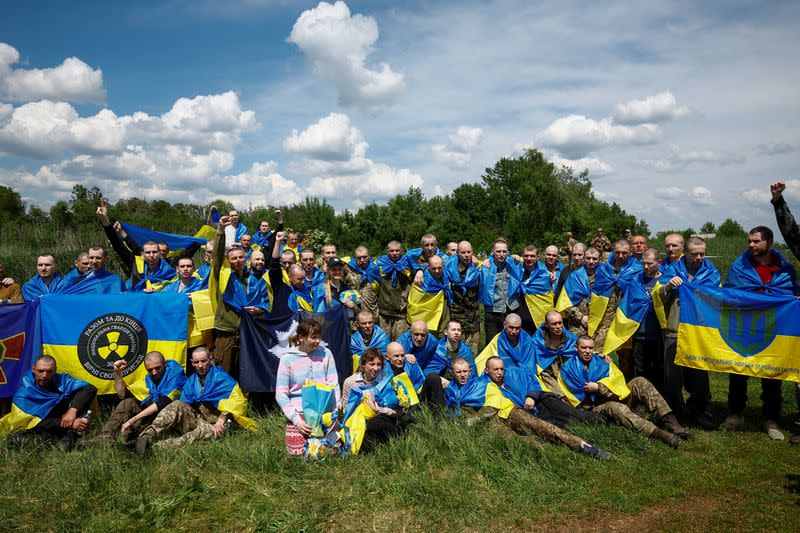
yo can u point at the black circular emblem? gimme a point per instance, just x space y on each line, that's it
110 338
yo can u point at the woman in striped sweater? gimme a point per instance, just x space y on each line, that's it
305 360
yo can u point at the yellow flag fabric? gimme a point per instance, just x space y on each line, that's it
424 306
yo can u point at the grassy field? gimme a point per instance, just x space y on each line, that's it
444 476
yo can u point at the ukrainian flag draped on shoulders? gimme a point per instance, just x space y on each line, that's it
32 404
522 354
545 355
537 291
478 392
151 278
424 353
92 282
387 267
488 276
472 275
171 384
371 274
576 289
574 375
221 391
518 382
427 302
631 311
440 360
706 274
36 287
742 275
379 340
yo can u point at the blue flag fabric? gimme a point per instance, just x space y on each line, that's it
387 267
471 278
741 332
19 344
371 274
175 242
546 355
173 379
440 361
517 383
379 340
707 274
413 371
424 353
36 287
742 275
36 402
262 340
237 297
488 275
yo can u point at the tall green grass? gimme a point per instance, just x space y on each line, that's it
441 476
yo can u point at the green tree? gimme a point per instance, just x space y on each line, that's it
708 227
11 205
730 228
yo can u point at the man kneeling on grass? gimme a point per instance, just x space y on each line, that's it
592 383
485 399
211 400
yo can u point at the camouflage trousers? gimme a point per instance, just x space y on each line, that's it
124 411
393 326
549 380
369 299
179 418
473 340
524 423
643 394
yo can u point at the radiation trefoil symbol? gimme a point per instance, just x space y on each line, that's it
114 347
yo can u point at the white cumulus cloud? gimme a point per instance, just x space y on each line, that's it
337 44
701 196
333 154
72 81
653 109
593 164
669 192
576 135
457 152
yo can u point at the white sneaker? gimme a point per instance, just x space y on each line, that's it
773 431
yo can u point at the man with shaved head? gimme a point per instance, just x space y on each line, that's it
513 345
552 263
434 281
141 401
464 280
648 346
574 263
673 244
418 341
638 246
395 272
500 289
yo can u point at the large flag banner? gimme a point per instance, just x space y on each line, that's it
19 344
86 334
263 340
739 332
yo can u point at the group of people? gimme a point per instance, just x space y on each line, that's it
416 321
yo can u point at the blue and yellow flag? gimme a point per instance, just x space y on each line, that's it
743 275
19 344
478 392
318 399
739 332
86 334
424 353
518 382
537 291
379 340
631 310
440 359
522 354
32 404
428 302
574 375
545 355
356 413
178 244
388 267
171 384
221 391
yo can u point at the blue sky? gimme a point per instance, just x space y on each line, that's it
683 111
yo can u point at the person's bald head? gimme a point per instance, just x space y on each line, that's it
396 354
512 325
551 256
461 370
419 333
436 266
464 252
496 370
554 323
257 260
673 244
